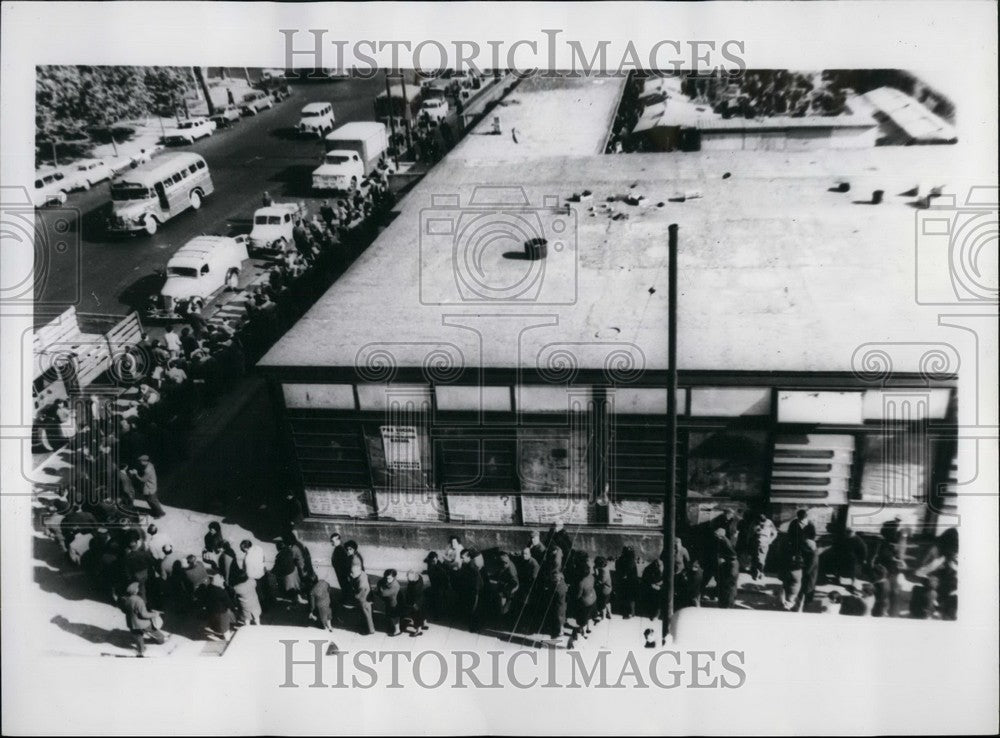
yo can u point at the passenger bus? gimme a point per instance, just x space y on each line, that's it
144 198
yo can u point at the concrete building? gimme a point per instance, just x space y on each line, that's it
449 382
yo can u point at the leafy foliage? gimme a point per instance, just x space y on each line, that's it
73 102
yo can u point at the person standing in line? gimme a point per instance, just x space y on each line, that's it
247 600
415 602
217 607
470 589
536 547
763 534
792 577
728 568
810 573
559 538
256 571
389 592
453 554
584 604
359 591
146 478
340 561
507 582
320 609
287 572
603 587
627 585
142 622
354 554
437 576
652 588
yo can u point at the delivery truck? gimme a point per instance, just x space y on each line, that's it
352 152
403 109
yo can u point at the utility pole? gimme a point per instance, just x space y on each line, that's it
391 110
670 498
406 108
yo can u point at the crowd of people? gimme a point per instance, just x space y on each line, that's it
158 385
549 587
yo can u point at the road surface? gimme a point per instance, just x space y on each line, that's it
114 275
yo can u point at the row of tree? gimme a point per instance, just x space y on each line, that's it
78 102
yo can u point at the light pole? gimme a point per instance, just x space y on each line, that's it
670 499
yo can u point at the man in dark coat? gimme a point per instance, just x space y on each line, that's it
728 568
437 575
341 562
470 589
507 582
359 591
559 538
851 555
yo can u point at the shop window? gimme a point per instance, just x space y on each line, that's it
644 400
639 456
405 398
820 407
549 398
464 398
319 396
727 463
329 451
812 467
482 463
896 466
906 405
728 402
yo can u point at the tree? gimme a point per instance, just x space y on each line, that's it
166 87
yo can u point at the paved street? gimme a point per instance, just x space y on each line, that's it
260 153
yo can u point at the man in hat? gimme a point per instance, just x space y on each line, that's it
141 621
559 538
146 478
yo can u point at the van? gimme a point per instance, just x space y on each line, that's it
149 195
316 119
202 267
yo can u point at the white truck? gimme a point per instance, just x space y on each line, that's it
352 152
273 226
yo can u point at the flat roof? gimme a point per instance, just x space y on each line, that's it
553 117
776 272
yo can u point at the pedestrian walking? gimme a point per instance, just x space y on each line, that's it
142 622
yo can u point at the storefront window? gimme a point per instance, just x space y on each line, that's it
896 466
726 463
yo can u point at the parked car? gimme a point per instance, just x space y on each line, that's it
87 173
436 108
256 101
201 267
226 116
280 91
189 131
51 188
273 225
316 119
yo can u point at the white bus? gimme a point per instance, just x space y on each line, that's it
145 197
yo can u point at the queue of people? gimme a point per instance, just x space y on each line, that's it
113 438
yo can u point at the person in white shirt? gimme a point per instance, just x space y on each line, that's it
79 546
172 341
254 567
156 541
